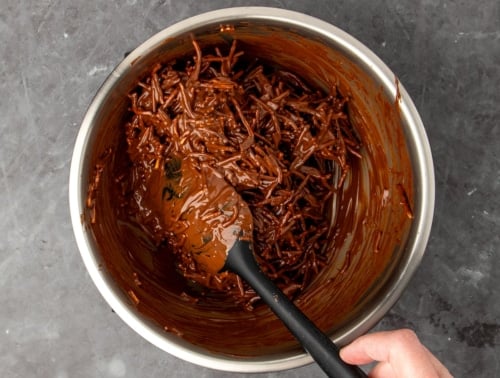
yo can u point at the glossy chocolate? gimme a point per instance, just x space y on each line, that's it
369 216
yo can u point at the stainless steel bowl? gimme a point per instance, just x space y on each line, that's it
389 126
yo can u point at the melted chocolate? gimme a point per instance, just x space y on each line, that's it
197 212
275 140
347 255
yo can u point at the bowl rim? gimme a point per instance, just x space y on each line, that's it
415 132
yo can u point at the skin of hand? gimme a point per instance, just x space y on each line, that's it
399 353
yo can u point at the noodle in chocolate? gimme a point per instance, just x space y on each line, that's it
284 146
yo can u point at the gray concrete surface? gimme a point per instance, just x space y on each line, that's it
54 55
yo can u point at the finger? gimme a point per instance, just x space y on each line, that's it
389 346
368 348
354 354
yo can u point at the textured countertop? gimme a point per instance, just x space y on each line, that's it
55 54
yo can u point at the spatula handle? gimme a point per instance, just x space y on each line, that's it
241 261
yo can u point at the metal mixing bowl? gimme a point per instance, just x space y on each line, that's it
389 127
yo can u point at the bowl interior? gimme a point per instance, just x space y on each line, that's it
377 215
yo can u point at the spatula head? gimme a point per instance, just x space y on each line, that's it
202 212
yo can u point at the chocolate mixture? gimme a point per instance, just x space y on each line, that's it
329 227
280 143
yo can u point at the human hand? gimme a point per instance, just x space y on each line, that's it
399 354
